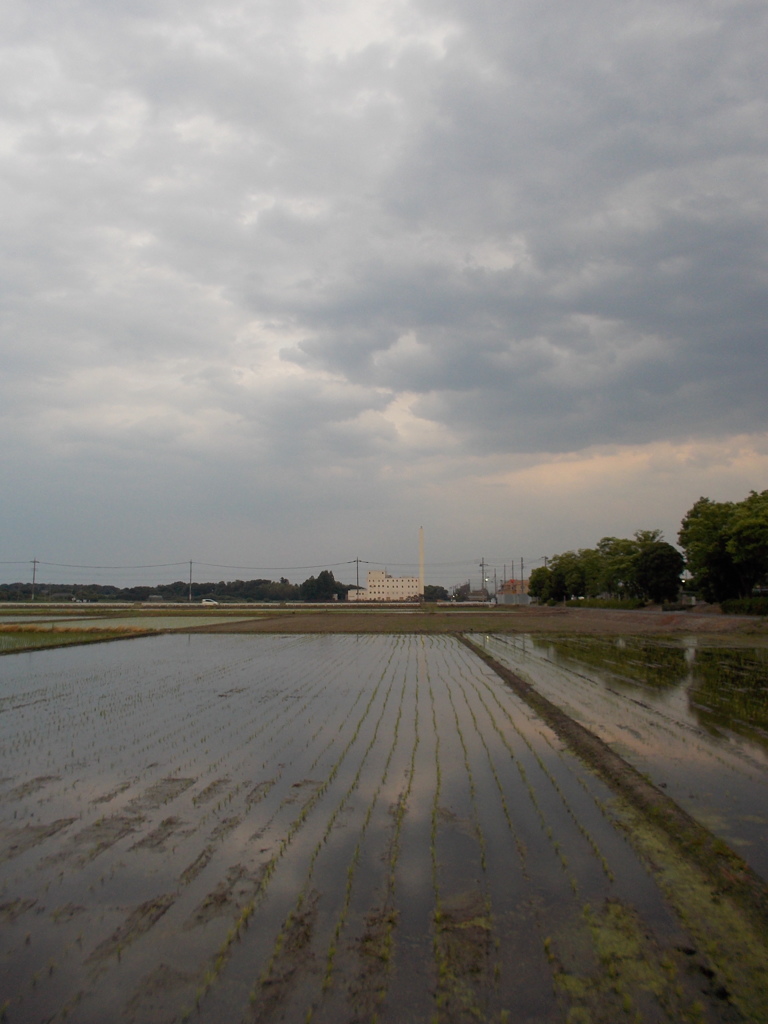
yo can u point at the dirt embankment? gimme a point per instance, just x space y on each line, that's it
727 871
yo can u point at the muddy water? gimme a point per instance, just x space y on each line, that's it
691 716
323 828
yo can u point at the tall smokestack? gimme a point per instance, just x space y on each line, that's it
421 561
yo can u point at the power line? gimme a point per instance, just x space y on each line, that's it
441 572
270 568
254 568
155 565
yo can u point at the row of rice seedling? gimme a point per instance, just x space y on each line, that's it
122 796
559 775
582 839
343 913
290 924
509 989
323 812
332 852
284 821
371 909
463 915
127 794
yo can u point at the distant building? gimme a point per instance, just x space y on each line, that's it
514 587
513 592
383 587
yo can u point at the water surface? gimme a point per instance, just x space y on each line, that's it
691 715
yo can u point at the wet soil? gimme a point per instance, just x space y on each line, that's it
16 841
436 619
291 956
136 924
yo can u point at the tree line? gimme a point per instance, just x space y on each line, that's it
724 555
324 587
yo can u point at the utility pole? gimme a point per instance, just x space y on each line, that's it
421 562
357 567
482 574
522 574
190 582
34 577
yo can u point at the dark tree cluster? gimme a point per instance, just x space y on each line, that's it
726 546
643 568
324 588
725 551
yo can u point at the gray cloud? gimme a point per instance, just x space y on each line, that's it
295 242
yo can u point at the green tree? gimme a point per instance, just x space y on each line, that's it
540 583
747 540
592 570
704 537
433 593
657 571
558 588
618 557
324 588
568 575
644 537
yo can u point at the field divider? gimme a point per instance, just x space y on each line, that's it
724 868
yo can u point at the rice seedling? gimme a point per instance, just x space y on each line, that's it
300 785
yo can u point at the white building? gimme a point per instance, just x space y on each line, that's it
383 587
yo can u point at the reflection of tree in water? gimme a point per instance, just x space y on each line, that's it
730 688
627 660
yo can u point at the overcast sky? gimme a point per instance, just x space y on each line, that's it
282 281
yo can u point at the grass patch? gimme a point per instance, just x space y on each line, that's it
746 606
14 639
731 948
607 967
629 604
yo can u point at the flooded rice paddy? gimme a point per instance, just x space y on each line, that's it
341 828
691 716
